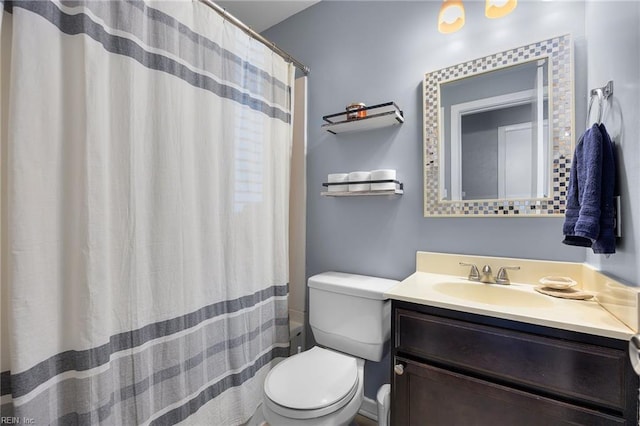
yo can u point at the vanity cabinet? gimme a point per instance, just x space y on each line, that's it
456 368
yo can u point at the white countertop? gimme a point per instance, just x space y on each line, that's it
584 316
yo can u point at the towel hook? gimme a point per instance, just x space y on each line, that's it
595 93
603 94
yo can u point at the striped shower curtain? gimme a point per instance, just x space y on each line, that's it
145 179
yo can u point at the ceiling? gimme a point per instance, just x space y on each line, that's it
260 15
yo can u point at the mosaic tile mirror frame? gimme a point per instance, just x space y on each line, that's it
558 52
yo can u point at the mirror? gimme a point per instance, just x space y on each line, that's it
498 135
495 134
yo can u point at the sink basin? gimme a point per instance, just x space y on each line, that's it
493 294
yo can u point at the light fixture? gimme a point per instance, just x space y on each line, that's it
451 16
499 8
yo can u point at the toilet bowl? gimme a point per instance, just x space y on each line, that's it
350 317
319 387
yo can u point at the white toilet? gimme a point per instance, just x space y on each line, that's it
350 319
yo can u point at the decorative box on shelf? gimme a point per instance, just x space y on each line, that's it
367 118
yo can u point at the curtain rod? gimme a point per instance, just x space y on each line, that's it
244 27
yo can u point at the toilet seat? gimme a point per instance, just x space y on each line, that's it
311 384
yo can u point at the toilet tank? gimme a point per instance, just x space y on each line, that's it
349 313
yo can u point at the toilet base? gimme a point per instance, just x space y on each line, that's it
342 417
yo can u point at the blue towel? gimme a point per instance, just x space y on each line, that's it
606 241
589 216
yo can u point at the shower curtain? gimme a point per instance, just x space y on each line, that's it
145 184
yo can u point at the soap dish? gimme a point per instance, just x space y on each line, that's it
567 293
557 283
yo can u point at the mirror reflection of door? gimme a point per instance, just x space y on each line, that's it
500 152
517 152
509 103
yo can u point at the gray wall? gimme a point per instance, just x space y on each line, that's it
379 51
614 54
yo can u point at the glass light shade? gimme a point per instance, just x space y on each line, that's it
451 16
499 8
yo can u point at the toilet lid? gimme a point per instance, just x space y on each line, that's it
313 379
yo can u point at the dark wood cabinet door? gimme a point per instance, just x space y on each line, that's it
585 374
427 395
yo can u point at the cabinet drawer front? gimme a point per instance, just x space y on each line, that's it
578 371
427 395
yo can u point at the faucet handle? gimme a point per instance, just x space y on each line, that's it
474 274
503 277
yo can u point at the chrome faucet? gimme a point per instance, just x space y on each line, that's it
487 274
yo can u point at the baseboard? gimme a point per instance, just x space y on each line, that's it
369 409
